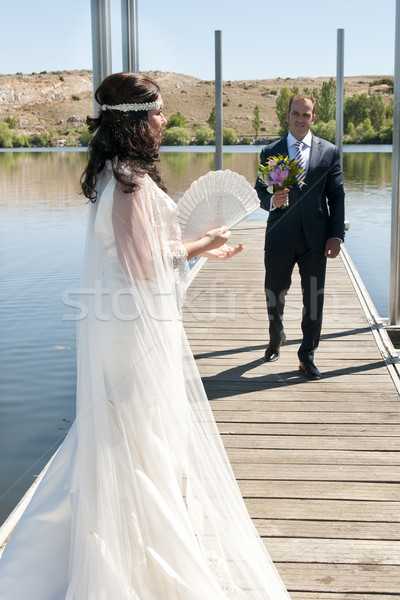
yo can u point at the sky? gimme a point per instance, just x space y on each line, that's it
261 39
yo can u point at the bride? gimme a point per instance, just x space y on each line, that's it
139 502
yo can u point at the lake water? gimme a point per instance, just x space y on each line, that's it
42 231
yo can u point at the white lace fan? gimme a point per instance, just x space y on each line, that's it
216 199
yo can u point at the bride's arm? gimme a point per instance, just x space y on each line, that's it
212 245
134 232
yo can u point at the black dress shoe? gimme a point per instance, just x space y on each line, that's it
309 370
272 352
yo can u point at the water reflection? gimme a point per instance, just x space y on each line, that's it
50 179
180 169
369 170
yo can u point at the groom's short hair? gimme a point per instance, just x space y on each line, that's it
302 97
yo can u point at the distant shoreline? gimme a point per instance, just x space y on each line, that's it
60 101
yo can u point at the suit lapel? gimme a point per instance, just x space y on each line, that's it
315 155
314 160
281 147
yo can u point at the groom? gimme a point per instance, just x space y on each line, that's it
305 226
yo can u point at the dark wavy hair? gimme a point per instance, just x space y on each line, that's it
124 138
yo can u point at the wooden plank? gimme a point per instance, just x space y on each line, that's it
304 442
331 550
306 417
316 429
279 472
339 510
338 490
262 456
341 596
371 578
341 530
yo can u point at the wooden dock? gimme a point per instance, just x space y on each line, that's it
318 462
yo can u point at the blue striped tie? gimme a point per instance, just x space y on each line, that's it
302 163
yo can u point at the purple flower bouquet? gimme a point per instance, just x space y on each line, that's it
279 172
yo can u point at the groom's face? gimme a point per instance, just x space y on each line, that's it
300 117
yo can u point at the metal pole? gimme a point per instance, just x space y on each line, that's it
101 43
218 102
394 308
340 92
129 25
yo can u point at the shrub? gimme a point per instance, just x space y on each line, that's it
75 97
176 136
20 141
84 136
384 80
61 77
11 122
40 140
204 135
229 136
177 120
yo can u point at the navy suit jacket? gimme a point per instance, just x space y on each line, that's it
317 208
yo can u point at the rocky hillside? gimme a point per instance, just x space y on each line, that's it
60 101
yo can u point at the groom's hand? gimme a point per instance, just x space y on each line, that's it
332 247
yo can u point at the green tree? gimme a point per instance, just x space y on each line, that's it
389 110
211 119
327 102
326 131
176 136
5 136
282 106
355 110
256 120
177 120
204 135
365 133
377 111
350 135
386 133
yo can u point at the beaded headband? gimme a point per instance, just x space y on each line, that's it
135 107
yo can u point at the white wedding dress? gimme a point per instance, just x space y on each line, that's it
139 502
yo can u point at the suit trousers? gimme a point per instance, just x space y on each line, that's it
278 278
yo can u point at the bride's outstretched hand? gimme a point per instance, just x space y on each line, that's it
213 245
223 252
